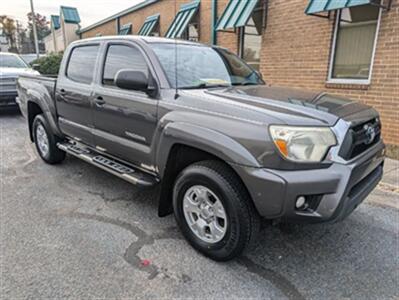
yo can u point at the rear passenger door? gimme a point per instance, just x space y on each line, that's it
124 120
74 92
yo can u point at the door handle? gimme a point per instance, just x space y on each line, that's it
62 92
99 101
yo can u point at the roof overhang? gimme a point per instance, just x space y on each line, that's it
70 14
125 29
236 14
119 14
182 19
316 7
149 25
55 22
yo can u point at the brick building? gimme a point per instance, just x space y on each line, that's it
345 47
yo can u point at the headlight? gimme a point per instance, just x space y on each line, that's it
303 144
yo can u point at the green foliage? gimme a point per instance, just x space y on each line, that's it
49 64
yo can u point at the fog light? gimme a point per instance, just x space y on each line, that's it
300 202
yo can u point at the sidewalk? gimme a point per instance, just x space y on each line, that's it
391 174
387 192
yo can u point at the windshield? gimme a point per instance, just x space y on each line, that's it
11 61
201 67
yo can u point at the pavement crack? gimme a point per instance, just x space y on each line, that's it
278 280
131 255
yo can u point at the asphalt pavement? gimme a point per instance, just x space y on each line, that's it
74 231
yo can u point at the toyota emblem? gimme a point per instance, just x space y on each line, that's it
370 133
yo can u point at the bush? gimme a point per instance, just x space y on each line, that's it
49 64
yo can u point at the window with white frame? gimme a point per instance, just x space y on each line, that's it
192 31
251 37
354 44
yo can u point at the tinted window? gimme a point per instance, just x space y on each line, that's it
81 63
122 57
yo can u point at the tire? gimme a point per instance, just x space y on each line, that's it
217 181
42 132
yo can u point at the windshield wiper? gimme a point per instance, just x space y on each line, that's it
203 86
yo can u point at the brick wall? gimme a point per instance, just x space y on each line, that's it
167 9
108 28
296 51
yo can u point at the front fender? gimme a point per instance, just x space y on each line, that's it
202 138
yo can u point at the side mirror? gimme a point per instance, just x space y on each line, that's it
36 67
131 80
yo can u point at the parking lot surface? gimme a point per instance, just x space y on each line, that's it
74 231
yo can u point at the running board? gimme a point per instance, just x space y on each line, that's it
125 172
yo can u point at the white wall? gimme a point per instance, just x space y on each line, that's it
59 39
49 43
70 33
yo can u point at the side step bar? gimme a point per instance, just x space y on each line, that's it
125 172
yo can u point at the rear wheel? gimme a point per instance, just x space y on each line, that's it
214 211
46 141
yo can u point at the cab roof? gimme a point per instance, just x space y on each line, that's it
147 39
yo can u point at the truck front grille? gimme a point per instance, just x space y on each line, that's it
360 138
8 84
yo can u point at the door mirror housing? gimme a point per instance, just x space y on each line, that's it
132 80
36 67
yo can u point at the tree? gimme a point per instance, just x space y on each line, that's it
9 29
42 27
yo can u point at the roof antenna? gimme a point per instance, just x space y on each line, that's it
176 77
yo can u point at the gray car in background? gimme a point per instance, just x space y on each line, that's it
11 67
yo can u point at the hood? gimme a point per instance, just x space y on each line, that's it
15 72
297 106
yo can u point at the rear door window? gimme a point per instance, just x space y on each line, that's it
122 57
82 63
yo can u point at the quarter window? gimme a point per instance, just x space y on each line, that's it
355 37
82 63
122 57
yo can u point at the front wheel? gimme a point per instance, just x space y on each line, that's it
214 211
46 142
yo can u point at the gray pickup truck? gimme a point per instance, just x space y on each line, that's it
225 148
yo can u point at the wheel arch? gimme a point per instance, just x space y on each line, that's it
180 156
35 108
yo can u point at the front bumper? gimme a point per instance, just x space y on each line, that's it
8 99
333 193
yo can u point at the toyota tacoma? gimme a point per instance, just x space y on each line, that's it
226 148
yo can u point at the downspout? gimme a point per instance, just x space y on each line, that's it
214 12
118 25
